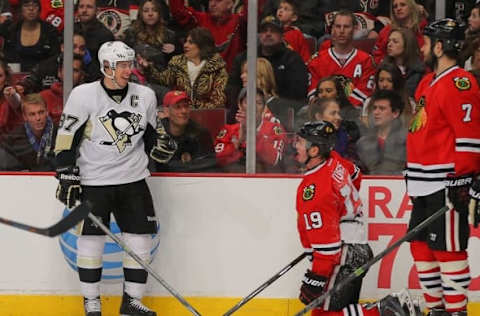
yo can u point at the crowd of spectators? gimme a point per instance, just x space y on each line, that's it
355 64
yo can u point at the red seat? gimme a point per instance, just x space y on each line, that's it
213 120
18 76
365 44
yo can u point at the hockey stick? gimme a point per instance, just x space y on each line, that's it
266 284
363 269
145 265
77 214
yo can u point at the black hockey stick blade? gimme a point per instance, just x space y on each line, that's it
266 284
364 268
77 214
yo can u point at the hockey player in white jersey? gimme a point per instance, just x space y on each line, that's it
106 129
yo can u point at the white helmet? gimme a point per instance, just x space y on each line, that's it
113 52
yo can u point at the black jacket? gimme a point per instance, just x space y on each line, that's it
95 34
17 154
195 151
48 45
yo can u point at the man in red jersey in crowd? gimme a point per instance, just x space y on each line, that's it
443 156
228 29
344 59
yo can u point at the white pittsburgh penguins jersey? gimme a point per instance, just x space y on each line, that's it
112 149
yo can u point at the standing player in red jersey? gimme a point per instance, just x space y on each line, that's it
443 156
330 224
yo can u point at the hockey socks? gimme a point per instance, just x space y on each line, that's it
456 278
428 271
89 262
444 276
135 275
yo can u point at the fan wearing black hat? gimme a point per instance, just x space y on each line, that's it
442 162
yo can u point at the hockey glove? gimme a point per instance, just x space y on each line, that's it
457 189
69 190
474 205
312 287
165 146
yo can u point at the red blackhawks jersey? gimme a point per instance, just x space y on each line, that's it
444 135
358 66
52 12
270 142
229 35
297 42
327 199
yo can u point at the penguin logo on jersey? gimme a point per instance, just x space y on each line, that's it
309 192
121 127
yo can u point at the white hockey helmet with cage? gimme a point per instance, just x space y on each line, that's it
110 53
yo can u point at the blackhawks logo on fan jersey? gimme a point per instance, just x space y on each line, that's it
121 127
309 192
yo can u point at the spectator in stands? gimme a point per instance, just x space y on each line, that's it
94 32
30 145
230 143
199 71
329 109
403 51
44 74
382 150
30 40
405 13
344 59
267 83
10 105
52 12
287 14
290 72
472 34
389 77
147 55
53 96
475 59
5 11
311 14
149 28
228 29
195 151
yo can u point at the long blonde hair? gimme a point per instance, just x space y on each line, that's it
266 77
414 19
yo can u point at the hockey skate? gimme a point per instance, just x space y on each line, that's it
93 307
134 307
398 304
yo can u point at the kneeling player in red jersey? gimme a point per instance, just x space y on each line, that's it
330 224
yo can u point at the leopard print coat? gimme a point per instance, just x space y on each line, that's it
208 90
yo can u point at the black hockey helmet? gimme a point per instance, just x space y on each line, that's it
321 134
449 31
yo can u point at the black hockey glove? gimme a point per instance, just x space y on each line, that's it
312 287
69 190
165 146
474 205
458 192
